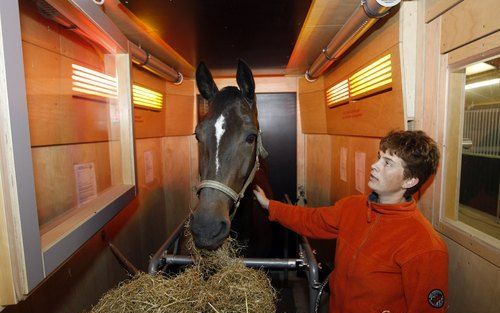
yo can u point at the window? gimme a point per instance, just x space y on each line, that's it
479 201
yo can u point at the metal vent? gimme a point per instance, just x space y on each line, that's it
49 12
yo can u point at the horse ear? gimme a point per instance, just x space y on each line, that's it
244 77
205 82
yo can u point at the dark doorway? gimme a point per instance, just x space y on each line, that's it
278 122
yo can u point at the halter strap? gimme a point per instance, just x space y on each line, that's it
208 183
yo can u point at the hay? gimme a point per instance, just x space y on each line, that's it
217 282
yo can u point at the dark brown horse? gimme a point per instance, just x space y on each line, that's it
229 145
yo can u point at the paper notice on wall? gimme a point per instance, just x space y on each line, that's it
359 166
149 175
343 164
86 186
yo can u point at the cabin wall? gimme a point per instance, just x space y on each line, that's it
448 29
337 137
163 143
442 26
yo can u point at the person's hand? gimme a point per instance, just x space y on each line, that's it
261 197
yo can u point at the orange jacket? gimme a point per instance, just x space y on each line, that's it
388 259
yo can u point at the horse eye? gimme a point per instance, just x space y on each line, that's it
251 138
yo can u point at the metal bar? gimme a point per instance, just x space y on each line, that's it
158 261
124 262
312 273
249 262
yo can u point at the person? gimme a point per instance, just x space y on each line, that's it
388 257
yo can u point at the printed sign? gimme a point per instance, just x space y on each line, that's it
343 164
359 166
149 175
86 186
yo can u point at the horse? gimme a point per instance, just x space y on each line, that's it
230 154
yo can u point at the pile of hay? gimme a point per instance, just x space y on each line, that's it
218 282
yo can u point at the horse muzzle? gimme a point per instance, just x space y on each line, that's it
209 227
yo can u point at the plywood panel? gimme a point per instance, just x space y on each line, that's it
318 173
144 149
312 106
468 21
55 115
37 30
340 188
368 146
264 84
7 288
434 8
373 116
480 278
177 178
149 123
54 176
179 115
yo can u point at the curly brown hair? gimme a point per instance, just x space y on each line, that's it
418 151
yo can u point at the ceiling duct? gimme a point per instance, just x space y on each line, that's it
145 60
369 12
57 11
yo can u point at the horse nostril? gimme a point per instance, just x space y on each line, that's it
223 230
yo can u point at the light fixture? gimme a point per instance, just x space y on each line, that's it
147 98
483 83
374 78
338 94
478 68
367 14
90 82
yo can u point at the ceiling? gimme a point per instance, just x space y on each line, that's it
275 37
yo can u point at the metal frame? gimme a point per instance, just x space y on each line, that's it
306 261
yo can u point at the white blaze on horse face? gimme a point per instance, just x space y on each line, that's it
219 131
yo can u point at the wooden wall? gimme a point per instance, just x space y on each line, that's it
66 130
451 29
356 126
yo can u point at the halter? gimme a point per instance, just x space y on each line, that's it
207 183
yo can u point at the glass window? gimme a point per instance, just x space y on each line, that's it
479 189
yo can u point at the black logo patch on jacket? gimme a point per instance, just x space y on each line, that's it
436 298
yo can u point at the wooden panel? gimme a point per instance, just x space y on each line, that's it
428 109
340 188
54 176
55 115
264 84
480 277
149 123
468 21
312 106
176 177
38 30
434 8
179 115
150 146
357 118
318 163
7 288
480 49
369 146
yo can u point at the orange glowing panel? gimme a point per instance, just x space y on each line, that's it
147 98
338 94
374 78
90 82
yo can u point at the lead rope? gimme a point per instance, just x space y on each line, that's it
208 183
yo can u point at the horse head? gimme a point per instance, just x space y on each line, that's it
229 144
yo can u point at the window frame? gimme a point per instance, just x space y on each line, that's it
447 223
32 256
